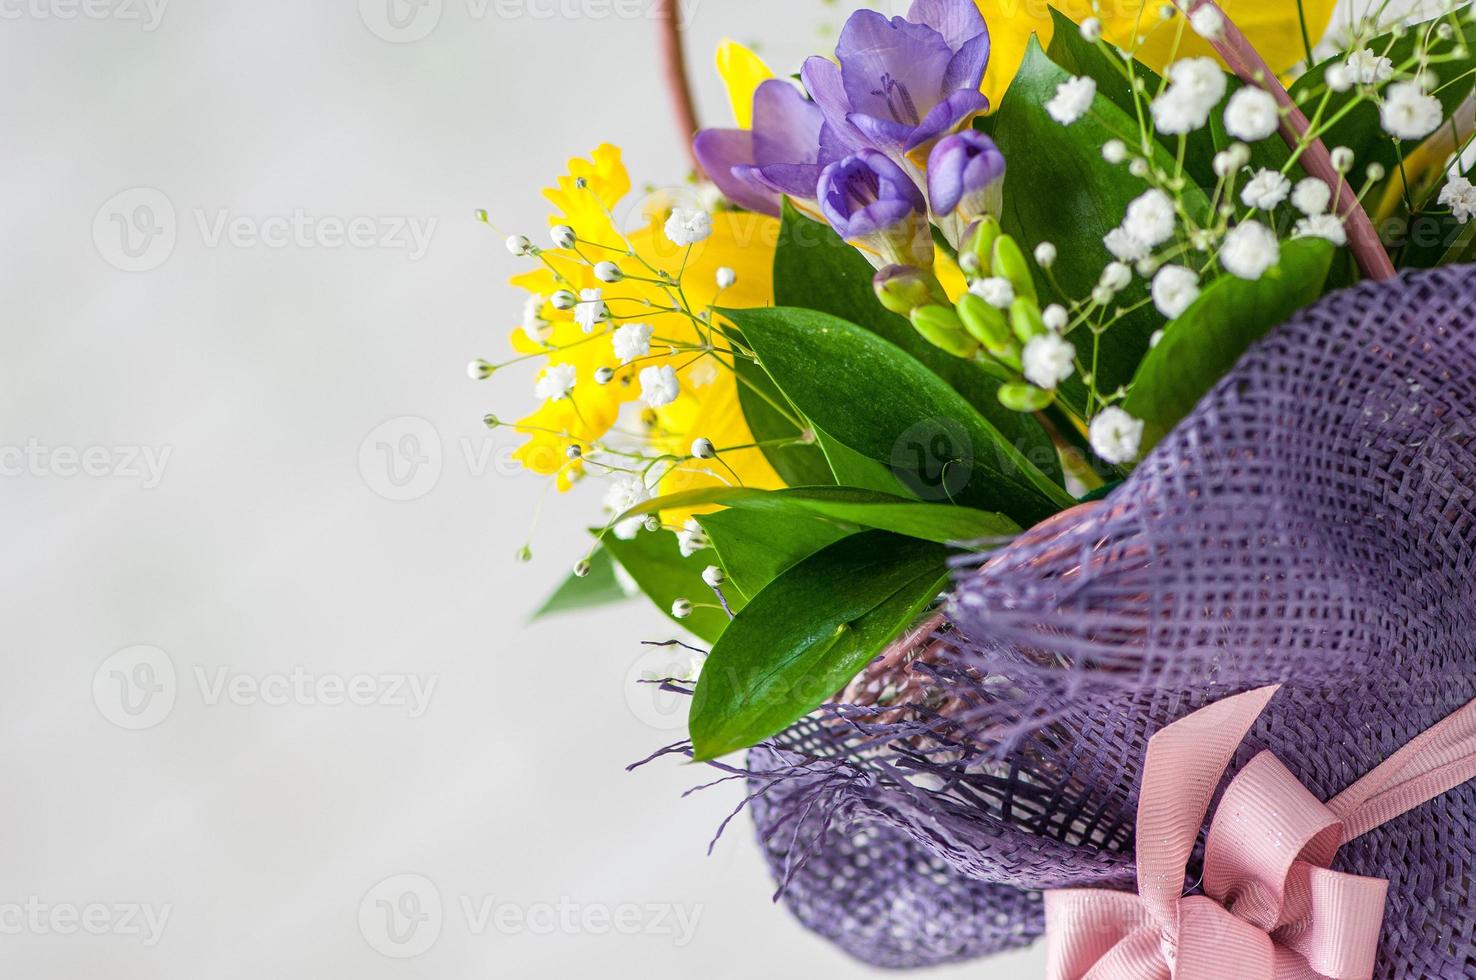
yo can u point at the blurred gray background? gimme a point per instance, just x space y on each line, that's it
270 704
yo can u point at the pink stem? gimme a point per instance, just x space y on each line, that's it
674 59
1251 68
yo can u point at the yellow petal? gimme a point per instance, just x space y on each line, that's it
742 72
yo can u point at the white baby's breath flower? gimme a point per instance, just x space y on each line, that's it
1265 191
1251 114
1408 113
1342 159
1196 86
1369 68
608 272
1055 317
1150 218
1045 255
519 245
1072 99
534 325
1460 196
562 236
726 277
1207 22
659 386
1124 246
1048 360
1339 77
1249 250
996 291
1116 277
691 538
590 309
1175 288
1114 151
555 381
1115 435
688 226
1091 30
1311 196
623 494
631 341
1230 161
1328 226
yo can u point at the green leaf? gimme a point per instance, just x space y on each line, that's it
654 561
798 465
1060 190
851 469
599 588
806 635
756 546
884 404
816 270
1203 344
939 523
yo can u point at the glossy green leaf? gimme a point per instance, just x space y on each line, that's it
798 465
805 636
654 561
939 523
1203 344
757 545
599 588
815 269
1060 190
884 404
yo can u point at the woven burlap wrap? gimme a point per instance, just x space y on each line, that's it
1311 523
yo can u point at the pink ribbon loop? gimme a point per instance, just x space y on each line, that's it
1272 908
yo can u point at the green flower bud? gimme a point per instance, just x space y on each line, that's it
942 328
1021 397
1026 321
904 288
986 324
1009 263
979 242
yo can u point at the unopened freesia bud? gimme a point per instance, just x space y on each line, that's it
903 288
966 175
1018 396
941 327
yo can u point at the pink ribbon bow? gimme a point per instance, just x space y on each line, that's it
1272 909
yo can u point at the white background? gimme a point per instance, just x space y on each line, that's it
261 371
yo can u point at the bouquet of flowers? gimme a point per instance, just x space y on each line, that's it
1029 414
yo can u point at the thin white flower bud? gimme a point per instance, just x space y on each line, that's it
714 576
1091 30
608 272
1045 255
681 609
726 278
1342 159
480 370
582 569
562 236
564 300
519 245
1114 151
604 375
703 449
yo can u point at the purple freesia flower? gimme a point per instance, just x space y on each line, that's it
902 83
873 204
782 155
966 174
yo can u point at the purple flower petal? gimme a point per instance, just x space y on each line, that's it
867 194
945 116
786 125
959 21
892 69
727 157
880 133
795 179
962 164
966 70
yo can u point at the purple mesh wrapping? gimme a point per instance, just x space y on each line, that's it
1311 523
